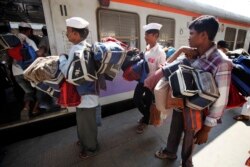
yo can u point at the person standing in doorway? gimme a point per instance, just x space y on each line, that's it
30 93
44 43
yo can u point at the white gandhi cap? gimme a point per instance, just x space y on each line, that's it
76 22
24 25
152 26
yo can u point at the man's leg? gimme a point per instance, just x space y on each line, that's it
174 137
87 129
187 148
175 133
138 98
141 104
28 96
148 101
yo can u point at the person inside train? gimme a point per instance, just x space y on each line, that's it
44 42
10 92
34 37
155 57
202 32
169 51
30 92
222 45
77 32
46 102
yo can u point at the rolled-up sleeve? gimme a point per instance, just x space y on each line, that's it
64 62
222 79
63 66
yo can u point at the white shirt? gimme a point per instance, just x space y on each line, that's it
87 101
17 69
45 43
23 38
155 57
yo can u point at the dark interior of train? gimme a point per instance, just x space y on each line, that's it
11 94
15 11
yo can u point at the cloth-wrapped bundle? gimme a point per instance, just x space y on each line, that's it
164 100
111 56
151 81
45 75
137 72
43 68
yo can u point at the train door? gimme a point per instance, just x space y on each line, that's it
56 11
60 10
37 13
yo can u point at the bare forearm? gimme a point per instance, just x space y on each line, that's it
188 51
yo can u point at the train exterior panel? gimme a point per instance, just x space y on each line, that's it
181 13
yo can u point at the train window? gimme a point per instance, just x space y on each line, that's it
123 26
167 33
230 37
241 38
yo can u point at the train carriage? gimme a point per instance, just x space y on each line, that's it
123 19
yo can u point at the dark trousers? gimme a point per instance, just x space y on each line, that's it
87 128
143 98
174 138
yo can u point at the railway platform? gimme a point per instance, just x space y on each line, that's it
121 146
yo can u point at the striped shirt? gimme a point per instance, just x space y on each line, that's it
220 67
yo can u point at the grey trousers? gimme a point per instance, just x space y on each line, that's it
174 138
87 128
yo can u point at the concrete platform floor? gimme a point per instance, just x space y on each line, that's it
121 146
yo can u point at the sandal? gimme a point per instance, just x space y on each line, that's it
241 118
163 154
140 128
36 112
85 155
24 115
78 143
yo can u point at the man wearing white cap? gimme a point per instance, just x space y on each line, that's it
155 57
77 32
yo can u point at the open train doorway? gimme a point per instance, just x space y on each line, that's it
13 12
249 48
